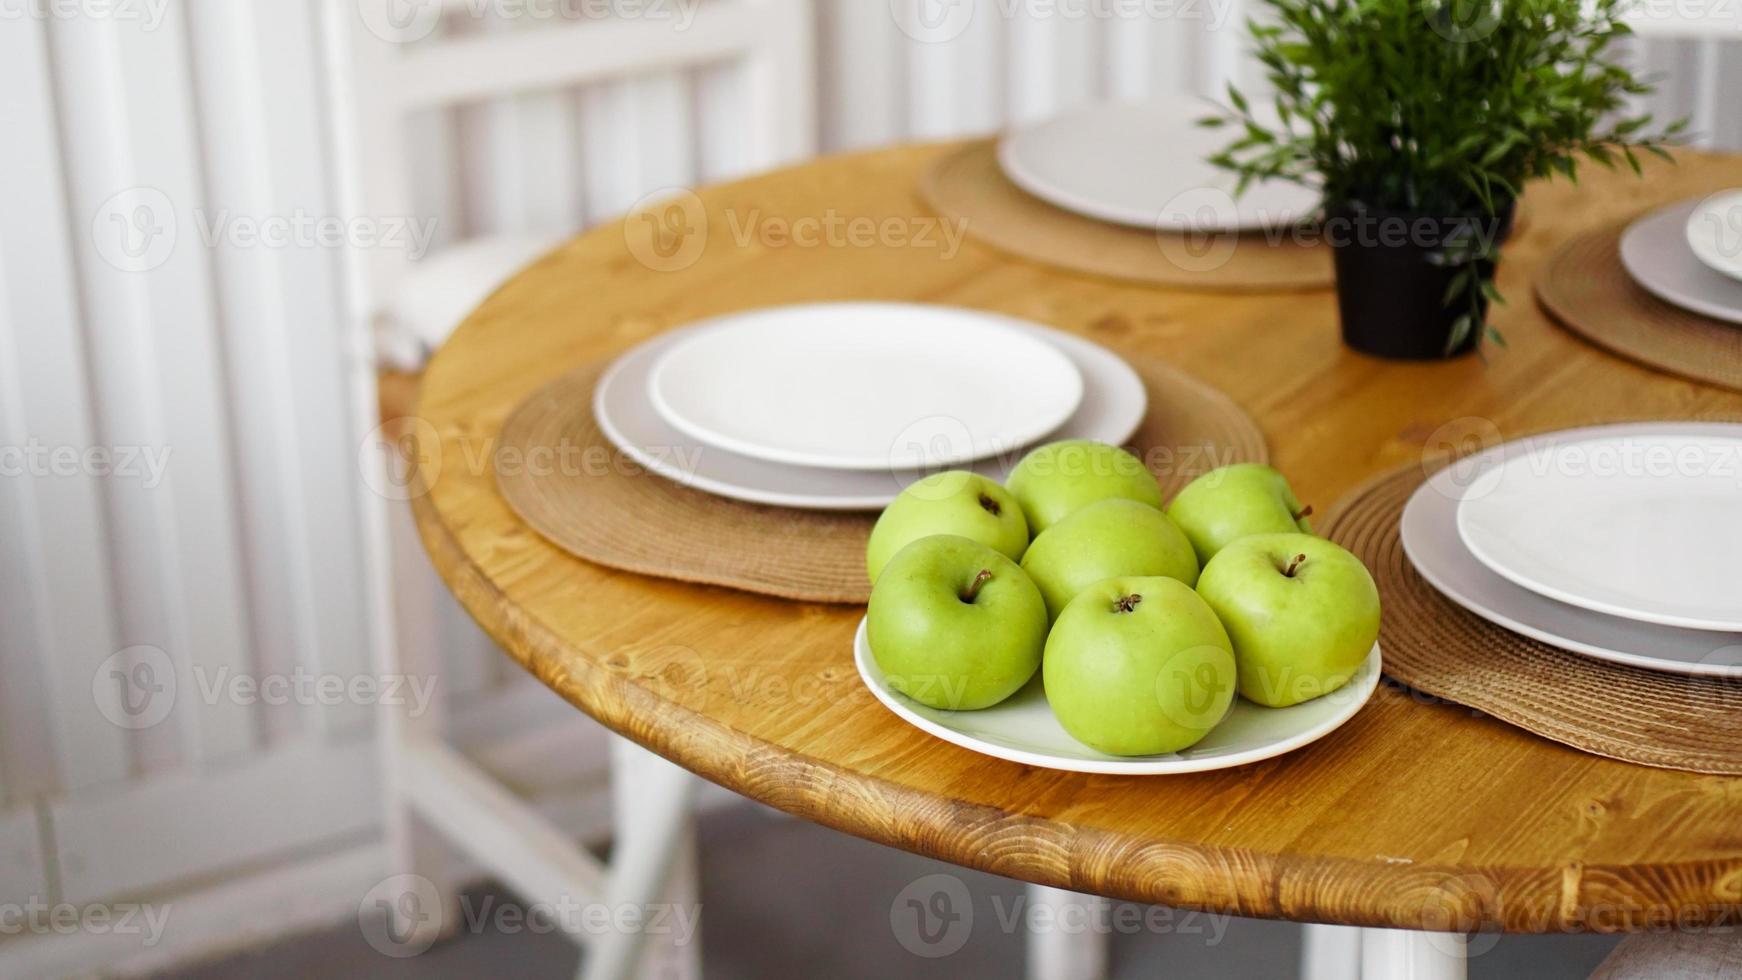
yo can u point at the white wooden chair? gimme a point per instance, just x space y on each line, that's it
389 60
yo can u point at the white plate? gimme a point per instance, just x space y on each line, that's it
1145 164
1656 253
1714 231
1023 729
1430 539
1645 525
1113 406
865 386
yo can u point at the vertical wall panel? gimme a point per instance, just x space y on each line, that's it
722 123
129 128
947 65
1054 60
284 351
862 82
58 626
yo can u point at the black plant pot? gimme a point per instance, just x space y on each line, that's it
1394 270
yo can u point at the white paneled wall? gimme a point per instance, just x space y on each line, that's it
139 317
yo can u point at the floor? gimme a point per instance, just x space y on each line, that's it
787 899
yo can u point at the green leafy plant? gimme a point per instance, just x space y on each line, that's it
1439 107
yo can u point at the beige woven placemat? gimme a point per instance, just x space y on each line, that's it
969 186
1435 646
608 510
1585 288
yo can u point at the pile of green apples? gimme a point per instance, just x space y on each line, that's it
1143 620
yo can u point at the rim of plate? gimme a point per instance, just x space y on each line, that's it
1364 682
1660 236
1580 437
677 474
1445 486
980 449
1096 356
1033 184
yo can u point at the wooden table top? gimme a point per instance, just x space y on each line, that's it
1415 814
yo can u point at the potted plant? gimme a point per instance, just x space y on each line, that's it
1420 121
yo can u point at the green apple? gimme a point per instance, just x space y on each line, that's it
1107 539
954 502
1139 666
1061 477
1231 502
954 624
1303 614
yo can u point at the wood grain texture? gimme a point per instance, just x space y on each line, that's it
1413 815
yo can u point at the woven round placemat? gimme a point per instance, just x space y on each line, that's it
1585 288
1435 646
968 185
591 500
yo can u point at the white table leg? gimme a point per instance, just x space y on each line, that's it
1402 954
1067 946
1330 952
418 857
654 844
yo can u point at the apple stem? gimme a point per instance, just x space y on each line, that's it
1126 604
1306 511
990 506
973 590
1289 571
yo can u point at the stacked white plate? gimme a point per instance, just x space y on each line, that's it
838 406
1622 542
1690 255
1146 165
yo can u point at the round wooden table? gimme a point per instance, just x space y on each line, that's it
1416 815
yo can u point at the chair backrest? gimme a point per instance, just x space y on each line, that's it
391 59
